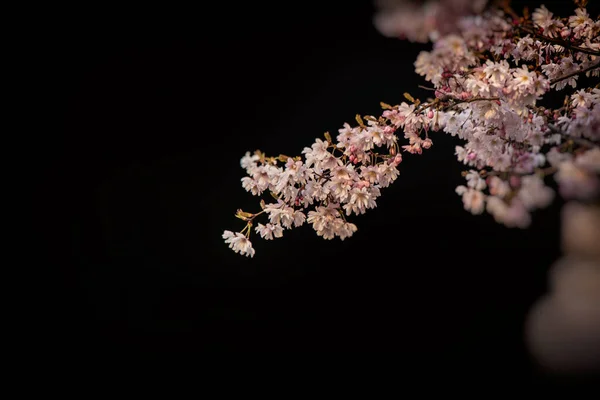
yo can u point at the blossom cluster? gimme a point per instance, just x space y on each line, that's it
489 77
332 179
501 68
418 22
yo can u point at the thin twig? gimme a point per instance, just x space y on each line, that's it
470 101
583 71
579 141
559 42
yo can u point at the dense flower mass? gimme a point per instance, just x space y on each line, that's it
489 76
332 180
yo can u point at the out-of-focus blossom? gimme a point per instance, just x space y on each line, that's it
421 21
563 328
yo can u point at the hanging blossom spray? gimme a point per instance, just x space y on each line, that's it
488 73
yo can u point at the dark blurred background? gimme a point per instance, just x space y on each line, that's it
157 107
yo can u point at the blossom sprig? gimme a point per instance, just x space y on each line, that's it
490 76
333 179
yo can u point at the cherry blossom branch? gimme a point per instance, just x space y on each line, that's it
580 141
511 144
583 71
457 101
540 171
559 42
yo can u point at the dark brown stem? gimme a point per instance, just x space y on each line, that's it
559 42
583 71
470 101
579 141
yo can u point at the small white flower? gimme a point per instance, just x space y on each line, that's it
249 161
360 200
581 98
473 200
239 243
269 231
299 218
534 194
499 187
475 181
541 16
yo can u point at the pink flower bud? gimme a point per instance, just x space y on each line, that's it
352 148
465 95
427 143
397 159
389 130
565 33
471 156
430 114
515 181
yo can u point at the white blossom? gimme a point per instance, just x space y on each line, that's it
239 243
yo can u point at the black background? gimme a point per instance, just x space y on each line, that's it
157 107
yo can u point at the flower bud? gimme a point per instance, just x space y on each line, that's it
515 181
389 130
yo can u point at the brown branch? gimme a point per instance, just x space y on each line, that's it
504 174
469 101
583 71
559 42
579 141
